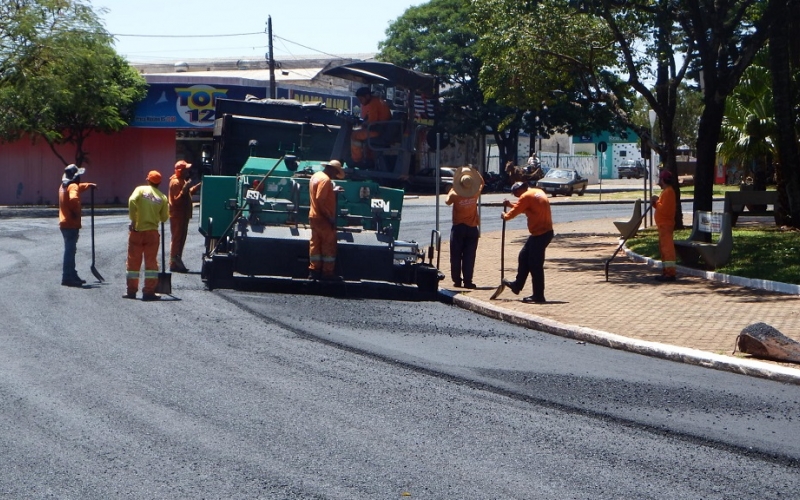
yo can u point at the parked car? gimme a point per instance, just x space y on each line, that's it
425 180
632 168
563 181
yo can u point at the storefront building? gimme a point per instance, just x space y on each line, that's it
174 122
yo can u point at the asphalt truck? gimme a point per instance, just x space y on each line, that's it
254 204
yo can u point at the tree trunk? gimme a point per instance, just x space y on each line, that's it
707 136
788 156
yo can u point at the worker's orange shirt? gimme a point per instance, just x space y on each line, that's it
376 110
180 201
465 210
665 207
69 204
323 199
536 207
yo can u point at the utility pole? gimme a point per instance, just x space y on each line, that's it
271 58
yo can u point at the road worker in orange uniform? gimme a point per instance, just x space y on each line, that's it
665 206
180 212
69 221
147 208
322 219
373 109
534 204
465 233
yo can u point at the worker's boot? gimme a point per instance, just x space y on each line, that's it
176 265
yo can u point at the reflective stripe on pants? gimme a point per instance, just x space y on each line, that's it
667 248
142 244
322 247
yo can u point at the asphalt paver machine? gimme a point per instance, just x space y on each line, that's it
254 205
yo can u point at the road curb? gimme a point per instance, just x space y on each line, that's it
748 367
767 285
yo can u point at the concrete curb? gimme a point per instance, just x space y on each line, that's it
767 285
52 212
747 367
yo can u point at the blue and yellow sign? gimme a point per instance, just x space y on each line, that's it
184 106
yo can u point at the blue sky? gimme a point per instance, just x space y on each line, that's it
301 27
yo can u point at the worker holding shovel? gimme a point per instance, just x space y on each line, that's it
69 220
534 204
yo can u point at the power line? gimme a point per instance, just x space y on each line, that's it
305 47
187 36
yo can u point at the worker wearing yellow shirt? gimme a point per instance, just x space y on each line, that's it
147 208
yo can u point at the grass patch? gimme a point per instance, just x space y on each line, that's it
687 194
767 253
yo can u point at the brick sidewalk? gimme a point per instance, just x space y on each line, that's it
692 312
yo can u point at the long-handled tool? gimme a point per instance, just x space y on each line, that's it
95 272
502 261
625 238
164 286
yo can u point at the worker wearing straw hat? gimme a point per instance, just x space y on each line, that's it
464 235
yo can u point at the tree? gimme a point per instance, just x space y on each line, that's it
605 51
784 62
687 115
436 38
726 36
748 129
65 81
615 47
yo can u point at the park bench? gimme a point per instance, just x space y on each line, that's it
756 203
700 246
628 228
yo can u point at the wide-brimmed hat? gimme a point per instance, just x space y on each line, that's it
71 171
336 165
466 182
181 165
154 176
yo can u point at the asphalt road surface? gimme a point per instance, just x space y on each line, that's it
342 393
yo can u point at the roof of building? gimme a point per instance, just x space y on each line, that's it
248 72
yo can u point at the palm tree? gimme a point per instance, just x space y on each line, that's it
748 128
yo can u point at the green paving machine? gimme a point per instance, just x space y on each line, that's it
254 205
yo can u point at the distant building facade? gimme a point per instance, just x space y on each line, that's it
174 122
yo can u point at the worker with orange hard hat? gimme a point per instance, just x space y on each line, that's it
180 212
147 208
322 219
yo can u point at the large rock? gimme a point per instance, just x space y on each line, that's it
763 341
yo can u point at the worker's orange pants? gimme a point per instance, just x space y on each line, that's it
358 144
179 227
142 244
667 248
322 247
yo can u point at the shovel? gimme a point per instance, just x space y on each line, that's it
95 272
502 261
164 286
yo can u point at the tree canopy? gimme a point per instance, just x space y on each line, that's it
437 38
60 78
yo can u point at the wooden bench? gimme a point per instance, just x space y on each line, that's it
737 201
697 247
628 228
